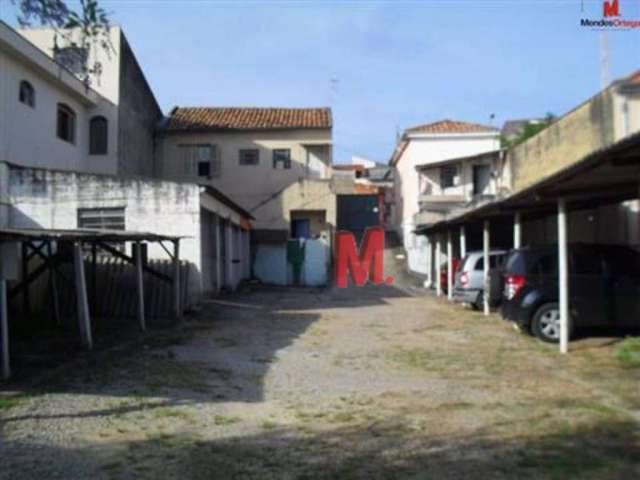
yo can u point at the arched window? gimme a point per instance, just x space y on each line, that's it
66 126
98 136
27 94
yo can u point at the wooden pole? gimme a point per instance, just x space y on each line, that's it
563 276
485 256
140 285
26 300
449 266
218 254
4 330
84 317
177 309
463 242
429 281
53 276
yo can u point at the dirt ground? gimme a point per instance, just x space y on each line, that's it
365 383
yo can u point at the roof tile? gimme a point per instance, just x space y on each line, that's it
242 118
451 126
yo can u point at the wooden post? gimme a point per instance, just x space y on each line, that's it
429 282
463 242
4 330
218 254
230 270
84 317
563 276
94 278
449 266
140 285
26 300
177 308
485 256
53 277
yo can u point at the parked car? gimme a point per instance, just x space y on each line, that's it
468 286
444 281
604 288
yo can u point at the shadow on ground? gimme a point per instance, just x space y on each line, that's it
232 343
386 450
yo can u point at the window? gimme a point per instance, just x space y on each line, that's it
200 160
448 174
282 156
101 218
98 136
27 94
495 261
249 156
66 127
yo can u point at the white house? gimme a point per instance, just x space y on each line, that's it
75 157
431 145
48 117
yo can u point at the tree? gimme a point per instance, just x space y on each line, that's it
90 23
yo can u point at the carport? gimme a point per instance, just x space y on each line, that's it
53 247
605 177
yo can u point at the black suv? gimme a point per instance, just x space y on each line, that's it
604 288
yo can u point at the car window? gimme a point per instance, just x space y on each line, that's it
514 263
546 265
587 263
495 261
624 262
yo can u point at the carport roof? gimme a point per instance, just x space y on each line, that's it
86 235
606 176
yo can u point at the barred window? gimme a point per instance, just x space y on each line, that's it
249 156
101 218
282 158
448 174
200 161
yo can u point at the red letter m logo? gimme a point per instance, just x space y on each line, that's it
611 8
367 264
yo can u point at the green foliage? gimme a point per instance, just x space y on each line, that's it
628 353
92 22
531 129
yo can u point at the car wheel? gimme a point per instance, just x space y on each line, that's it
478 304
546 323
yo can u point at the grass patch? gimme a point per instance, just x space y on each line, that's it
170 413
7 403
628 353
269 425
225 420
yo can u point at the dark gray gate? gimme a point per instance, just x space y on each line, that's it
357 212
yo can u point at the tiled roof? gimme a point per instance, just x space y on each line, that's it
234 118
451 126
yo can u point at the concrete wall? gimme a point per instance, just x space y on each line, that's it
138 116
51 199
247 185
28 136
307 195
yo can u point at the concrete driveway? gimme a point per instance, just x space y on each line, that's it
366 383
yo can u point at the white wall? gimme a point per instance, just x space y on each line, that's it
28 135
423 150
46 199
247 185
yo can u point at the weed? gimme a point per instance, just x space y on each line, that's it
628 353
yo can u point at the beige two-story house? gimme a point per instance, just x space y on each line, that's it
274 162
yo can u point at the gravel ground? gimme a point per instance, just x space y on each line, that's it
360 383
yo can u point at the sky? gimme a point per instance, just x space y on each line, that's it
382 66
